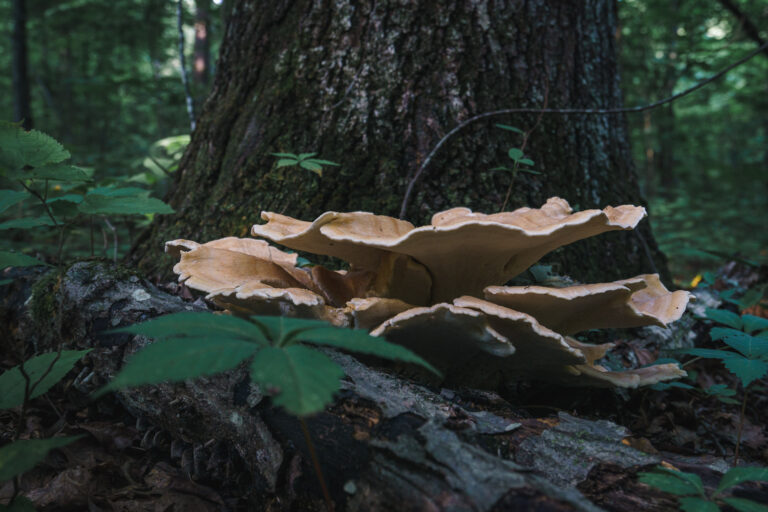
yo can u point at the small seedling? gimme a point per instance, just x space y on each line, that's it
303 160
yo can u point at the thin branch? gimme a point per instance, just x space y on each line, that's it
114 237
566 111
749 28
183 61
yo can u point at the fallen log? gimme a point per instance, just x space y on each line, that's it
387 443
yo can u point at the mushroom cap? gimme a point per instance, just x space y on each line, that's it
251 246
463 251
599 376
635 302
367 313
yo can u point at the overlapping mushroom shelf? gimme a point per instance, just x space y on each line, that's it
437 289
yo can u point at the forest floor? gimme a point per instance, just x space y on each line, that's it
125 464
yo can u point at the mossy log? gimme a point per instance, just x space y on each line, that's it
387 443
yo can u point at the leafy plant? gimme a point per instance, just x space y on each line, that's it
517 155
747 335
55 194
303 160
284 360
692 494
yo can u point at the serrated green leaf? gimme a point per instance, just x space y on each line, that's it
9 198
97 204
670 483
21 456
283 330
697 505
747 370
16 259
55 172
187 324
754 323
12 381
310 166
752 347
745 505
178 359
724 317
736 476
302 380
26 223
323 162
509 128
286 155
19 148
359 341
304 156
515 154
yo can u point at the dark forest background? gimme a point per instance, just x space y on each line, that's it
105 80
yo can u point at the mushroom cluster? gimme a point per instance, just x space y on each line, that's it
438 289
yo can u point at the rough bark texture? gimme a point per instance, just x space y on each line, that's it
374 86
387 443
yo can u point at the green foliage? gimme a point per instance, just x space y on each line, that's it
44 371
303 160
302 380
14 259
692 495
21 456
516 155
749 361
20 148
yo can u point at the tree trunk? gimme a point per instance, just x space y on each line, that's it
22 111
201 69
375 85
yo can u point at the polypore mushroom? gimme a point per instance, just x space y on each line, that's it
462 251
635 302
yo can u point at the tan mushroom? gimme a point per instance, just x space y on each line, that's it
463 251
642 300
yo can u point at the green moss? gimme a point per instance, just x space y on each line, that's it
43 306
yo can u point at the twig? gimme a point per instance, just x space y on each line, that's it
114 237
566 111
316 464
182 60
741 425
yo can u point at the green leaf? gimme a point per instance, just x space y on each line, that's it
501 168
697 505
359 341
283 330
673 482
751 297
736 476
119 191
754 323
302 379
26 223
285 162
509 128
747 370
19 148
9 198
304 156
709 353
745 505
178 359
55 172
16 259
527 161
286 155
21 456
311 166
662 386
69 198
724 317
720 390
187 324
324 162
5 282
12 381
97 204
515 154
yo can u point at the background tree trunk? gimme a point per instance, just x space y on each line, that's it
21 102
375 85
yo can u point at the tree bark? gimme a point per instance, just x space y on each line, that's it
387 443
22 110
375 85
201 68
